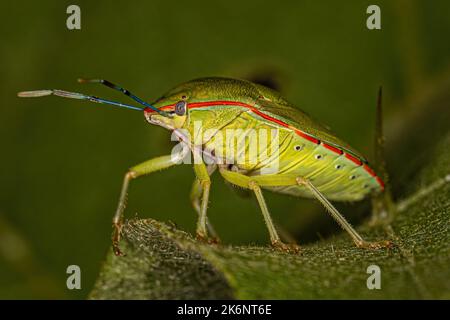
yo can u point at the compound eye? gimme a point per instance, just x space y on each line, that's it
180 108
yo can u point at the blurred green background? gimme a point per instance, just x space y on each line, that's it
63 161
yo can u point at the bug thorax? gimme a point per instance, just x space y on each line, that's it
174 105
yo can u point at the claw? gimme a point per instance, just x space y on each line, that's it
286 247
116 239
385 244
206 239
117 250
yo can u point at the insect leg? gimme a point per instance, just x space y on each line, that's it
205 183
274 237
359 241
144 168
253 184
196 196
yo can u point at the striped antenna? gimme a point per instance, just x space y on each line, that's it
74 95
124 91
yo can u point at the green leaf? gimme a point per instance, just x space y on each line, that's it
162 262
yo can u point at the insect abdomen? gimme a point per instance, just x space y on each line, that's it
328 168
338 174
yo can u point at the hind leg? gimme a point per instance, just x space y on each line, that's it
357 239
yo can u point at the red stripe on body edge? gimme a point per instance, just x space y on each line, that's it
334 149
353 159
300 133
306 136
265 116
380 182
369 170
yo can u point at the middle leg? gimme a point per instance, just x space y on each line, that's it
204 185
253 183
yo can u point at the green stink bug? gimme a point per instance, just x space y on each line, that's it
309 161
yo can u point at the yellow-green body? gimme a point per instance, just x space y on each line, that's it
333 174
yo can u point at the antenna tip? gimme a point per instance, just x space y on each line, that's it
84 80
33 94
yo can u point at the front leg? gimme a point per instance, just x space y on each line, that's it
139 170
196 200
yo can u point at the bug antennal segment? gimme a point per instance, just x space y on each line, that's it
74 95
33 94
124 91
